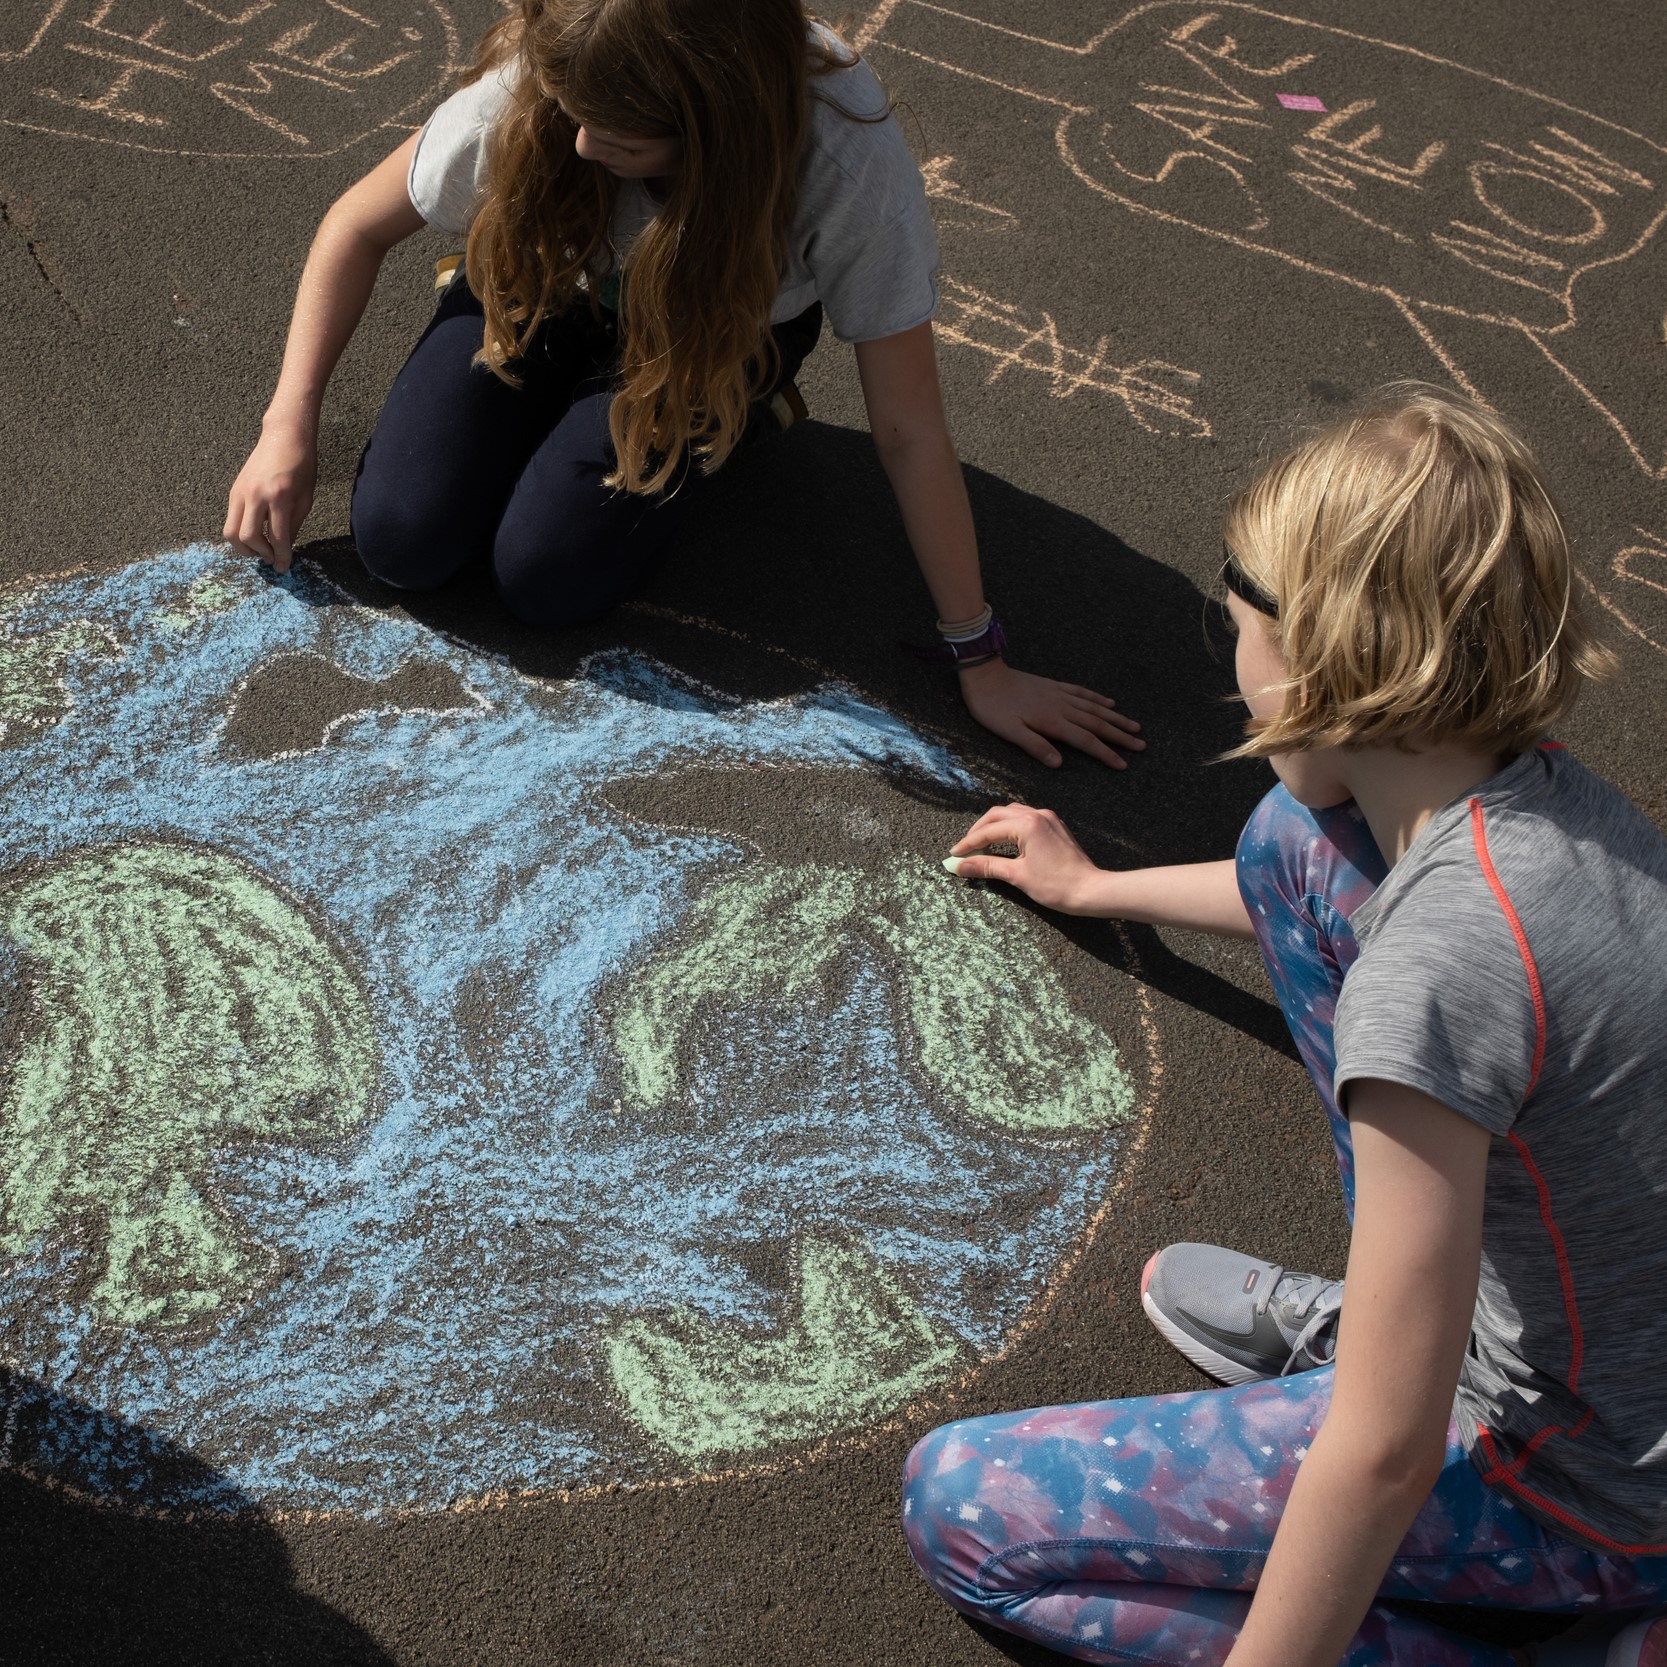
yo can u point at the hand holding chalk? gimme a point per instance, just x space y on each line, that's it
1050 866
273 493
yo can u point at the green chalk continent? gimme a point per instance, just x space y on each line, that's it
857 1348
996 1035
996 1032
32 693
186 1006
773 935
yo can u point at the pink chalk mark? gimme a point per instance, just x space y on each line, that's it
1301 101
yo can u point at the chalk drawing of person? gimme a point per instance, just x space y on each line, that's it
1533 220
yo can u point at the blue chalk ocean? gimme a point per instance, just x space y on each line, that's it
444 1278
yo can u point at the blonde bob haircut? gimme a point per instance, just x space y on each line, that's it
1423 579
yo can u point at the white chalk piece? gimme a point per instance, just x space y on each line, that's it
953 864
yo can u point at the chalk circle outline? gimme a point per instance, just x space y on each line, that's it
443 80
803 1452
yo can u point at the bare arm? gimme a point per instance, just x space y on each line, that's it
1414 1258
274 490
1054 870
906 415
911 433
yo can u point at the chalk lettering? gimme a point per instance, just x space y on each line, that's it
1153 392
1502 224
273 77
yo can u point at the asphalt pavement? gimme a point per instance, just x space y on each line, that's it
320 1434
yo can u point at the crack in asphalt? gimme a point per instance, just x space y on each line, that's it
15 224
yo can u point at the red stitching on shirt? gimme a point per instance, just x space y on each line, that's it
1544 1434
1565 1274
1500 1474
1479 835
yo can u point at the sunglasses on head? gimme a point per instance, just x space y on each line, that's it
1244 587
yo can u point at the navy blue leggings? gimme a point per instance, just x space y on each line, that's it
464 468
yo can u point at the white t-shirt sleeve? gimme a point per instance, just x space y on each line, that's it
869 247
448 172
877 279
866 248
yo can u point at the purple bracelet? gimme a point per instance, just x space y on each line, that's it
990 644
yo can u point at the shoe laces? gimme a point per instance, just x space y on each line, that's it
1306 1294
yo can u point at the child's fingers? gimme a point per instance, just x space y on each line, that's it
1093 696
232 532
973 835
1085 740
1004 826
278 526
1103 716
981 868
1112 727
250 536
1039 747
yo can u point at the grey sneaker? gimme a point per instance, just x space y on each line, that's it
1237 1318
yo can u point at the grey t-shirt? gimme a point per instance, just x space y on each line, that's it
861 242
1513 965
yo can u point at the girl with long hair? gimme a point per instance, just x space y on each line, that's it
1464 929
661 199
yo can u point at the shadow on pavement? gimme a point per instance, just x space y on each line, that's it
796 570
82 1582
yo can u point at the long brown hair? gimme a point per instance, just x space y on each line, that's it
728 79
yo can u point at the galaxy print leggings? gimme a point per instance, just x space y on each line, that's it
1135 1530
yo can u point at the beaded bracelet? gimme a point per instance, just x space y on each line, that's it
972 642
960 630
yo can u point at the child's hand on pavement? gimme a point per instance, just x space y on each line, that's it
1051 867
271 496
1036 712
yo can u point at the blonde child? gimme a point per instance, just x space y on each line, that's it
661 198
1467 933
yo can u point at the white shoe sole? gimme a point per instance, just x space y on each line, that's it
1634 1647
1211 1364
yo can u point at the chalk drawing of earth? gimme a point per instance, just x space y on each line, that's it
417 1084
